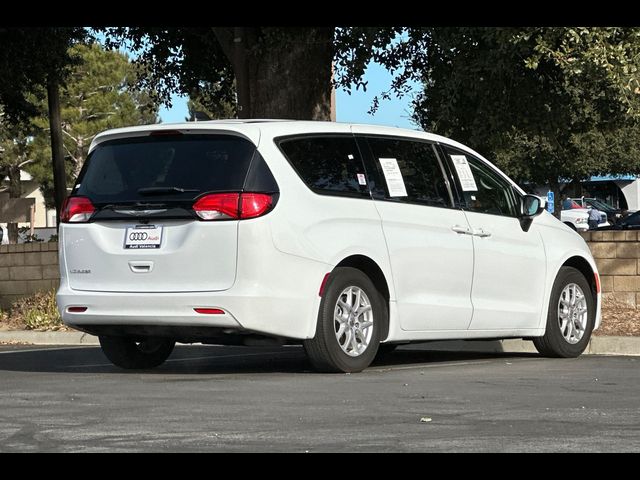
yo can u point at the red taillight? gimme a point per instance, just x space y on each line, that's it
597 277
222 206
254 204
76 210
217 206
209 311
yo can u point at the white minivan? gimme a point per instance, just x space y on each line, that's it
349 239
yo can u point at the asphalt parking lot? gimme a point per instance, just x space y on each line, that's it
218 399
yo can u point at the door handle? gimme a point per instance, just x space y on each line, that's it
140 266
463 230
481 233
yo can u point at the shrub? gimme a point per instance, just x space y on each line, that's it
36 312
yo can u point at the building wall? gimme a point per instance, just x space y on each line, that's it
31 189
27 268
631 192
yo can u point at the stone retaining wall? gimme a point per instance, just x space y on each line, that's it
617 255
27 268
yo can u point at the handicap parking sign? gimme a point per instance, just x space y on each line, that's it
550 202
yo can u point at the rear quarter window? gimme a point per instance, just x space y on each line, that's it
329 165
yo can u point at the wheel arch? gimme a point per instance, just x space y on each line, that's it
583 266
371 269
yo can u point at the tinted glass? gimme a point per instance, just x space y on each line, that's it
116 170
488 192
633 219
329 165
418 164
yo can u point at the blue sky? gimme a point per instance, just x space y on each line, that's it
352 108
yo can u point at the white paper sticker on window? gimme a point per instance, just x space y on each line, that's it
393 176
464 173
361 179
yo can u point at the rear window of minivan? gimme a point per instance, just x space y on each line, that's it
159 167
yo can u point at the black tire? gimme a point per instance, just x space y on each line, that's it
133 353
553 343
323 350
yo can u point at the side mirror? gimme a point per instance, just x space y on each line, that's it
530 207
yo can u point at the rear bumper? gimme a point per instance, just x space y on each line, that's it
109 308
283 306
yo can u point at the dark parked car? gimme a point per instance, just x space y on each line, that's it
613 214
631 222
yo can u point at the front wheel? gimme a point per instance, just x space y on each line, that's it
134 353
351 317
570 318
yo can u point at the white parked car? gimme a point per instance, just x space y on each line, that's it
340 237
577 217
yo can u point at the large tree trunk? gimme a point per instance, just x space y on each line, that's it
15 191
281 73
57 152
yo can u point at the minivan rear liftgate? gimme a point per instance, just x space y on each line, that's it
160 213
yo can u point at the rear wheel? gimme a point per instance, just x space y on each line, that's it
352 315
570 318
137 353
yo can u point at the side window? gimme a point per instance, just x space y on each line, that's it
420 177
329 165
484 190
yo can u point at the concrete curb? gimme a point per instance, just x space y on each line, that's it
597 345
48 338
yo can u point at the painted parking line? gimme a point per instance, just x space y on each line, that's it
426 365
44 349
451 364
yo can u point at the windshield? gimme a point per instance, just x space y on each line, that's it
600 205
164 168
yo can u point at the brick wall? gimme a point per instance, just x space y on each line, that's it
27 268
617 255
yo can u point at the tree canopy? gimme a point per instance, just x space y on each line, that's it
544 103
28 58
99 94
265 71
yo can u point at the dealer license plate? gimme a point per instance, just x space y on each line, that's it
143 236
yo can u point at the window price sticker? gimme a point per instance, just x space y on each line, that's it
393 176
467 181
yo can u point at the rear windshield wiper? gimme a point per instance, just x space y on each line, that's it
163 190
